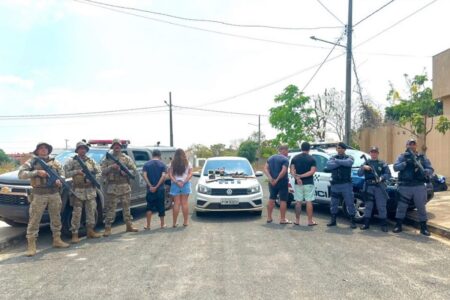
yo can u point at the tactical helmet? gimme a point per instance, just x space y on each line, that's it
49 147
115 141
81 144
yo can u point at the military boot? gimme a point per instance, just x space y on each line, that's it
75 238
58 243
383 225
398 226
352 222
107 231
31 251
332 221
91 234
366 224
130 227
424 228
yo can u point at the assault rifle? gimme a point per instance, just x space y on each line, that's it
122 167
417 163
52 174
88 175
377 177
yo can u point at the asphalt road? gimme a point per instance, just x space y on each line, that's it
233 256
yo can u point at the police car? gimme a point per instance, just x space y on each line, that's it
323 187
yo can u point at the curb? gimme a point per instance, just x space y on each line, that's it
432 227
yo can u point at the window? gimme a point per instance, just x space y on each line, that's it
141 157
321 162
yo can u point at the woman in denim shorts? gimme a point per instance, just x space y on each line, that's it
180 173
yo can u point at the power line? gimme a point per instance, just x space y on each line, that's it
210 20
323 62
396 23
374 12
330 12
84 114
218 111
203 29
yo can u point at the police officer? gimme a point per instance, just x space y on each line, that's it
117 187
340 166
85 192
43 196
375 191
412 188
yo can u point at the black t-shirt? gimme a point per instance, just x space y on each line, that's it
303 163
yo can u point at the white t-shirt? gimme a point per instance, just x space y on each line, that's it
185 174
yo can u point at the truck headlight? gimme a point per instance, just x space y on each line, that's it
203 189
254 189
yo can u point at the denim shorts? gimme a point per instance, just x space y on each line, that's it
175 190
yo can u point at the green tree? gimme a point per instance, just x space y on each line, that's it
292 117
417 109
3 157
267 149
217 149
248 150
201 150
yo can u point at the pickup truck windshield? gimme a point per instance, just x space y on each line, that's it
239 167
96 154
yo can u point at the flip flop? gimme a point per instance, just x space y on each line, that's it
286 222
175 225
296 224
269 221
164 226
185 225
312 224
146 228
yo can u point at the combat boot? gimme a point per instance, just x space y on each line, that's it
130 227
107 231
352 222
332 221
75 238
398 226
31 251
366 224
91 234
424 228
383 225
58 243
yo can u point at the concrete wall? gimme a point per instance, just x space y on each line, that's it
392 139
441 79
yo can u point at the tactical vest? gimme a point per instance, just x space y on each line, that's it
411 175
79 181
40 183
377 165
114 175
341 174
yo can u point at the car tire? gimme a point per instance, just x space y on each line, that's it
168 201
359 206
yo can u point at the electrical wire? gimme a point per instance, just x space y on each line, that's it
330 12
218 111
210 20
374 12
204 29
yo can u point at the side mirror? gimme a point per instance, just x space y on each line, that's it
259 173
196 174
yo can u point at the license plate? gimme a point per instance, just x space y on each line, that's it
227 201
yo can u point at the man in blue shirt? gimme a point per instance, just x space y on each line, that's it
155 175
276 171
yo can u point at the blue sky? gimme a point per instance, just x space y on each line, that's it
65 56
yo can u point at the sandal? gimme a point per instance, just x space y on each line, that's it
296 224
146 228
269 221
164 226
185 225
175 225
312 224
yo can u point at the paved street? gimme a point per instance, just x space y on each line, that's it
233 256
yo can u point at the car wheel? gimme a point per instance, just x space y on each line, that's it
359 206
14 224
277 202
167 202
66 221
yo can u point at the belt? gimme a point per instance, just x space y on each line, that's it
44 190
371 182
413 183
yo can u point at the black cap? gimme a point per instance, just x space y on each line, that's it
374 149
156 153
342 145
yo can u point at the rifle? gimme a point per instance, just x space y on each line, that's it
120 164
417 163
377 177
52 175
88 175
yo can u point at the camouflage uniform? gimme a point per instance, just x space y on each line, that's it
84 192
117 188
42 196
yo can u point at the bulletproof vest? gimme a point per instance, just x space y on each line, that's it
37 181
341 174
114 175
411 174
377 165
79 181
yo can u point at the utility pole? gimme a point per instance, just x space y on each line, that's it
66 140
170 118
348 76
